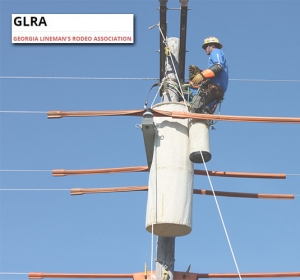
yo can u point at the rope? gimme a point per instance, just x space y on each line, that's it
166 44
161 84
152 246
181 93
219 210
155 191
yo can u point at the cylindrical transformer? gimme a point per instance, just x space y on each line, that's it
170 188
199 141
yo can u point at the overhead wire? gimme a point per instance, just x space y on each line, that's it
73 78
25 112
136 78
34 189
62 172
13 273
16 170
128 189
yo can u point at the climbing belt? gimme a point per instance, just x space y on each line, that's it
207 93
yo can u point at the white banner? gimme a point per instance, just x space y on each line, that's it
73 28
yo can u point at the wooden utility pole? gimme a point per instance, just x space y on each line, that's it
166 245
165 258
169 69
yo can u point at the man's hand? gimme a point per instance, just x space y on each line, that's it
197 79
193 70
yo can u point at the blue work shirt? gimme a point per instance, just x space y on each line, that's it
221 79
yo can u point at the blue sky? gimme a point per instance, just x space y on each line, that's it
52 231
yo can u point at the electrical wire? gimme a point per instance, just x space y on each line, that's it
34 189
13 273
7 170
98 78
25 112
263 80
20 170
74 78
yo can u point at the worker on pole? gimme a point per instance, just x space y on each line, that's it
212 82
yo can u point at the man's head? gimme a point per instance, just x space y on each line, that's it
211 43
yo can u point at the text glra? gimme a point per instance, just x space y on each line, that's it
29 21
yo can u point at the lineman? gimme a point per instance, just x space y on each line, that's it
212 81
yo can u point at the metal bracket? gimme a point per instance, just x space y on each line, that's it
149 130
187 272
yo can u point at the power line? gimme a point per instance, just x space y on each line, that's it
13 273
25 112
70 190
74 78
156 79
20 170
7 170
263 80
34 189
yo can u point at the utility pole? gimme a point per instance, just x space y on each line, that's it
170 184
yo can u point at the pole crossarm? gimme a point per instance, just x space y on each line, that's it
80 191
64 172
174 114
177 275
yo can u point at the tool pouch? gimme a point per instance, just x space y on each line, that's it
208 92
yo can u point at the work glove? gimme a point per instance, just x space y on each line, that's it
194 70
197 79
